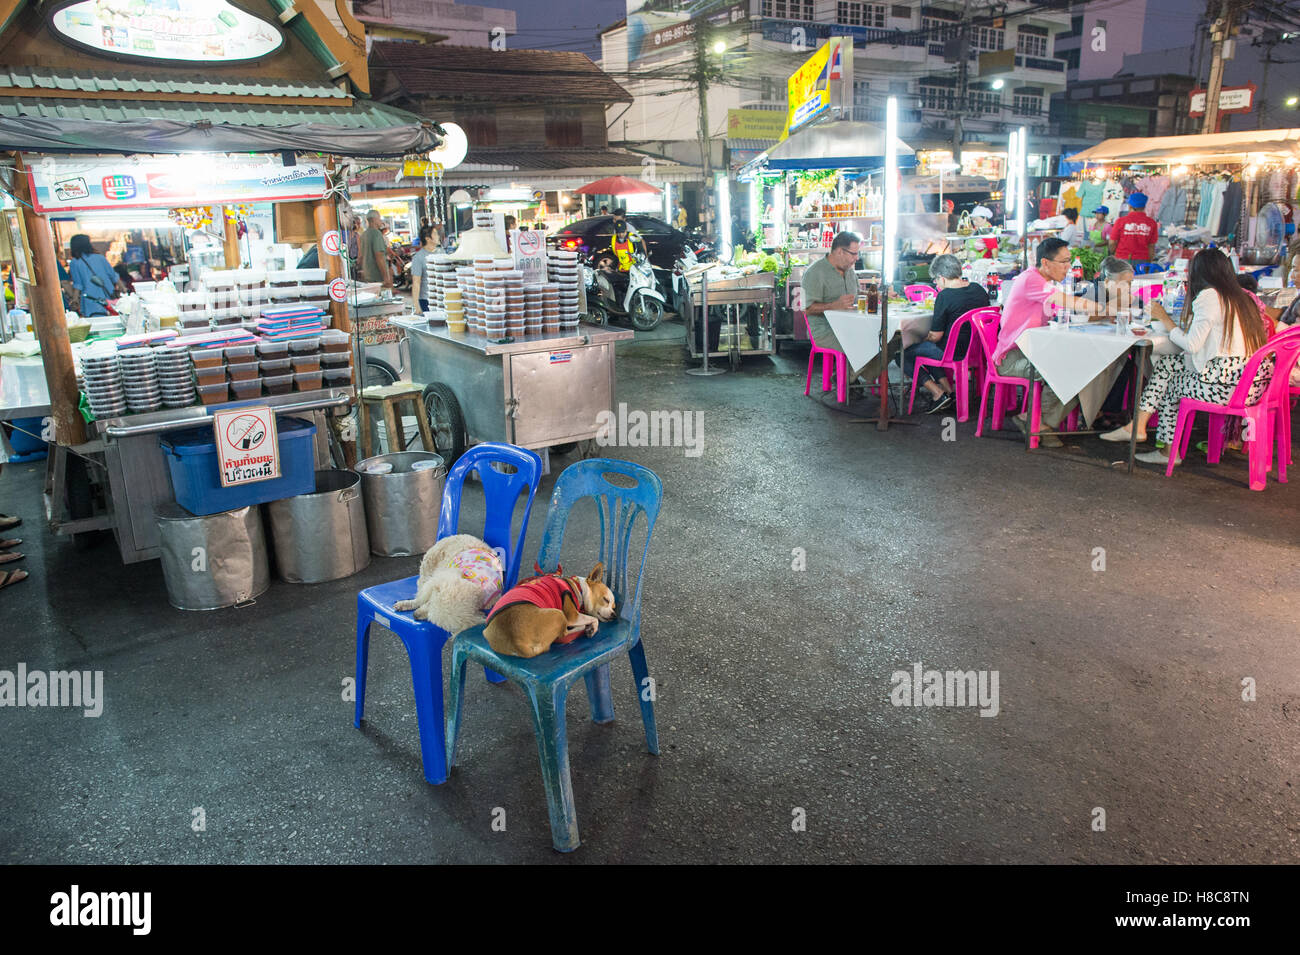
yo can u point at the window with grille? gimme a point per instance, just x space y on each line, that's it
1031 45
768 90
788 9
937 30
1027 104
852 14
936 97
987 38
984 101
861 93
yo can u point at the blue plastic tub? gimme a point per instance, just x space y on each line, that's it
192 459
26 447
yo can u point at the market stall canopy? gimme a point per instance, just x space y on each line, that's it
617 186
841 144
1262 144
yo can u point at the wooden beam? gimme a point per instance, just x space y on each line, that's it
326 220
348 50
49 320
230 244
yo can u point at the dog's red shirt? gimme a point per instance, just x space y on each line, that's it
546 592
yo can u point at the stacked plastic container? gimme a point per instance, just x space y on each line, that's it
101 380
565 273
440 278
140 380
335 359
175 376
466 281
533 317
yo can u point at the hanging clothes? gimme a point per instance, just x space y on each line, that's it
1090 197
1071 199
1231 216
1173 205
1154 188
1112 197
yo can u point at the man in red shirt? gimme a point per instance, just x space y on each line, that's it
1133 237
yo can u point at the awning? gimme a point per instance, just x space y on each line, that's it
365 128
1263 144
563 169
840 144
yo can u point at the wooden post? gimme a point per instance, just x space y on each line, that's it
49 320
230 245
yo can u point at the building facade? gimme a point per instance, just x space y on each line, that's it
426 21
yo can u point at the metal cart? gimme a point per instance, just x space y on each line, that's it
758 337
537 391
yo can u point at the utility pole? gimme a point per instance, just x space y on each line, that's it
963 78
705 73
1268 45
1220 32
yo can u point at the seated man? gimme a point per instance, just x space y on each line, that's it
1033 297
623 248
956 297
831 283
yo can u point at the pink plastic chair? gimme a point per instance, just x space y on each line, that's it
827 355
1148 292
1263 416
919 293
959 367
1003 388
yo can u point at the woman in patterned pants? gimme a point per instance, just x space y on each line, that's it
1225 330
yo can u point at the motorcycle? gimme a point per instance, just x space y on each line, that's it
703 252
640 301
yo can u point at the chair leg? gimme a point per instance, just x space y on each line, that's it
641 677
1214 449
827 358
911 404
999 406
807 384
984 411
364 620
842 378
962 385
1187 437
1182 429
459 658
426 677
553 749
1036 414
492 676
598 695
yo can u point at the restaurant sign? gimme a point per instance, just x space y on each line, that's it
755 124
1232 99
819 84
75 184
189 31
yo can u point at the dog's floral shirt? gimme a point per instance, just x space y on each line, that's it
483 567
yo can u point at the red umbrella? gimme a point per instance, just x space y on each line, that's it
617 186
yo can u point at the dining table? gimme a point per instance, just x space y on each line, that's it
863 335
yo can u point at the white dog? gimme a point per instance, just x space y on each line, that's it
460 578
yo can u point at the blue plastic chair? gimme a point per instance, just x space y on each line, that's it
546 679
422 639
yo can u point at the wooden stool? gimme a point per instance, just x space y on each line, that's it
392 397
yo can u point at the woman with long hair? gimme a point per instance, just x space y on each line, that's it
1224 331
92 276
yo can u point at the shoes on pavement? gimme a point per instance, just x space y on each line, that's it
941 403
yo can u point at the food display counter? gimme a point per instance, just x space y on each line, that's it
536 391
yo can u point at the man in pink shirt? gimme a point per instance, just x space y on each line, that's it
1034 296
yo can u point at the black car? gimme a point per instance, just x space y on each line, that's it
664 243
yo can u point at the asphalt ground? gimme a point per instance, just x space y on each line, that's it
800 560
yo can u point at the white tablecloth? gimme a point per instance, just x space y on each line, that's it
859 332
1082 360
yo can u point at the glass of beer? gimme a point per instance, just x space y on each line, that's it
862 303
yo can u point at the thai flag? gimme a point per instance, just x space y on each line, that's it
837 63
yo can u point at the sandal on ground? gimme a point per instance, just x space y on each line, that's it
10 557
7 522
8 577
5 545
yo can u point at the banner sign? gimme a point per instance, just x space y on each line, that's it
1232 99
755 124
813 87
247 445
649 31
190 31
74 184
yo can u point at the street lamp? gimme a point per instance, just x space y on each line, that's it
1293 101
720 47
998 84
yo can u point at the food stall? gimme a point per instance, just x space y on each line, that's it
264 126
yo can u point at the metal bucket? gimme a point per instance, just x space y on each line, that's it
321 536
214 561
402 506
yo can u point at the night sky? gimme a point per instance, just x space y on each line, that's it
562 24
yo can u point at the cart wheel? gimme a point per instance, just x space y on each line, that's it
379 373
446 421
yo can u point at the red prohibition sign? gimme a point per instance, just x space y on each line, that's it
247 432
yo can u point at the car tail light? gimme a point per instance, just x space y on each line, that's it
572 243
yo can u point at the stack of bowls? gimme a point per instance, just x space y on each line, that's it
565 273
140 379
514 301
550 307
453 304
176 376
441 278
468 294
102 383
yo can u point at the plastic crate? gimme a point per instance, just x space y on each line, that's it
192 460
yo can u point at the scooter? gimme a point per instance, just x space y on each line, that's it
641 302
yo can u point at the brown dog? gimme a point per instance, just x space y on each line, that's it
549 609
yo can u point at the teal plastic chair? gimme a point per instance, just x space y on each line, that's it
546 679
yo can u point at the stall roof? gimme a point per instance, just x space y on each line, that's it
1201 148
840 144
39 80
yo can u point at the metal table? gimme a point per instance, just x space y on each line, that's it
536 391
758 288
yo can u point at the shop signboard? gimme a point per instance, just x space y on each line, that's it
247 449
165 31
77 184
755 124
530 254
819 84
378 330
650 30
1232 99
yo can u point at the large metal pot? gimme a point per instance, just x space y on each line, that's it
321 536
213 561
402 505
1260 256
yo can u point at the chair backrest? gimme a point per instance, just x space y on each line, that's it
1286 348
985 322
1148 292
919 293
502 490
618 508
966 321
